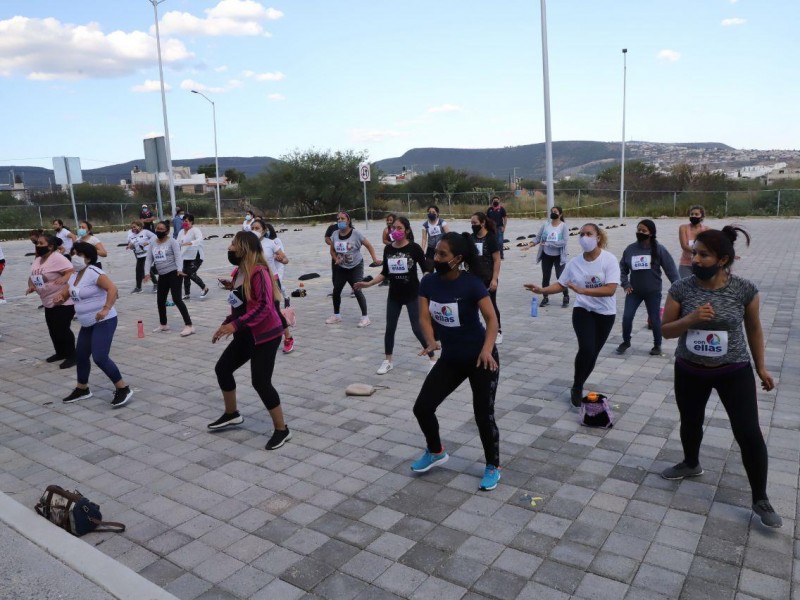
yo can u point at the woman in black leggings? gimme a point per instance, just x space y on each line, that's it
484 236
449 300
256 327
593 276
706 310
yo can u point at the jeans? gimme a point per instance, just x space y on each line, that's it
352 276
393 309
652 301
500 238
190 267
59 320
95 341
170 283
592 330
548 262
140 272
262 363
442 381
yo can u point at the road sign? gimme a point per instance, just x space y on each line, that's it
363 172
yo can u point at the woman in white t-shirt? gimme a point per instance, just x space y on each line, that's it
593 276
85 234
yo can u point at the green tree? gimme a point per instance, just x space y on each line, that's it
208 170
235 175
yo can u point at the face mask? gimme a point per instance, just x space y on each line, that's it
57 229
233 259
588 244
495 204
78 263
81 232
247 217
432 216
642 237
161 234
260 234
397 235
695 220
704 273
476 229
341 225
442 268
180 216
553 216
42 250
186 225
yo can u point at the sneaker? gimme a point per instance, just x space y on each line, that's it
288 345
385 367
576 397
769 518
491 476
623 347
187 331
121 396
333 319
53 358
226 420
67 364
278 439
565 302
40 307
161 329
205 293
364 322
352 294
682 470
429 460
3 300
136 291
155 288
545 301
655 351
187 296
77 394
499 339
170 303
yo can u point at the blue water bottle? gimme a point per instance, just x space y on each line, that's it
534 306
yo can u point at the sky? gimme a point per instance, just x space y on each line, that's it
80 77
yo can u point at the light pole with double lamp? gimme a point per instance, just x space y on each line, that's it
622 169
216 155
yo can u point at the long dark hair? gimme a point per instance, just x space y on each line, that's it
486 222
407 224
560 213
651 226
720 243
461 244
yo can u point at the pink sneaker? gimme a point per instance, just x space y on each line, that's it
288 345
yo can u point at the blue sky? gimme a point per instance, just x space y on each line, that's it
79 77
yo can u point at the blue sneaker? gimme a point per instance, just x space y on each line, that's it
429 460
490 478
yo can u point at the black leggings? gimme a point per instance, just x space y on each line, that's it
442 381
393 309
190 267
170 283
493 298
592 330
140 272
737 392
59 319
352 276
262 363
548 262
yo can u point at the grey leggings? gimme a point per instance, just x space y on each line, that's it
393 309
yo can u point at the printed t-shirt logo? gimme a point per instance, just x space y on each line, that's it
641 262
434 230
445 314
707 343
398 265
479 248
552 236
159 255
594 281
341 247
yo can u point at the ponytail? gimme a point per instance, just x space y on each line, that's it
720 243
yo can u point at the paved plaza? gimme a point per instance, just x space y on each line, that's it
336 513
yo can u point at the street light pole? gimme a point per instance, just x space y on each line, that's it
170 178
622 169
216 155
548 138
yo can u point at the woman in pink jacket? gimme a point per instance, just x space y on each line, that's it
257 331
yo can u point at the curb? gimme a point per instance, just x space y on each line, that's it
83 558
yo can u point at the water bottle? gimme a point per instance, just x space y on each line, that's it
534 306
139 329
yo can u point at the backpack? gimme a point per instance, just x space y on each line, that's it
595 411
73 512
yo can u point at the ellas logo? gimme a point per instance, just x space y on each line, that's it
445 315
594 282
711 344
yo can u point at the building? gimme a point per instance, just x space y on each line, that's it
183 178
782 173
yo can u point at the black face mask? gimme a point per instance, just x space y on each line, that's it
161 234
642 237
476 229
695 220
432 216
553 216
704 273
233 259
442 268
42 250
495 204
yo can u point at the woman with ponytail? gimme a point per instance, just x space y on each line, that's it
640 275
552 253
706 312
484 236
449 301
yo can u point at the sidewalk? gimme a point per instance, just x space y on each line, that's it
337 514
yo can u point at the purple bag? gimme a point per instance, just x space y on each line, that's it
595 411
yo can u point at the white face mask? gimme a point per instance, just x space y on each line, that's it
78 263
587 243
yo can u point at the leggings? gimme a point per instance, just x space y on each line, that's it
592 330
140 272
190 267
351 276
442 381
393 309
59 319
170 283
493 298
95 341
548 262
2 267
262 362
652 301
737 392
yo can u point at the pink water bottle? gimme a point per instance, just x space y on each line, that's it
139 329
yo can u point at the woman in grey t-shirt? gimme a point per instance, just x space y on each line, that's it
706 311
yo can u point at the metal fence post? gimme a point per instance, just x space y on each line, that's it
674 203
726 204
121 216
579 202
778 211
41 223
409 205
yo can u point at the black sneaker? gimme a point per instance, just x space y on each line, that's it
655 351
576 397
545 301
681 471
278 439
187 296
205 293
623 347
121 396
54 358
226 420
769 518
136 290
565 302
67 364
77 394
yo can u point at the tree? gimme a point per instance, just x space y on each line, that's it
235 175
208 170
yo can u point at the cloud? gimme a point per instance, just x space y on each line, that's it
276 97
234 83
191 84
733 21
229 17
668 55
221 69
374 135
274 76
443 108
151 85
47 49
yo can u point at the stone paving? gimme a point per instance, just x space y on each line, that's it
337 514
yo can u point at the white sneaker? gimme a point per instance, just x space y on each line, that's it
364 322
385 367
3 300
499 339
187 331
161 329
333 319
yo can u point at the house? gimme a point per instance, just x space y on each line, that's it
785 172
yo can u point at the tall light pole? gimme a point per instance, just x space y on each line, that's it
170 179
216 155
548 138
622 169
